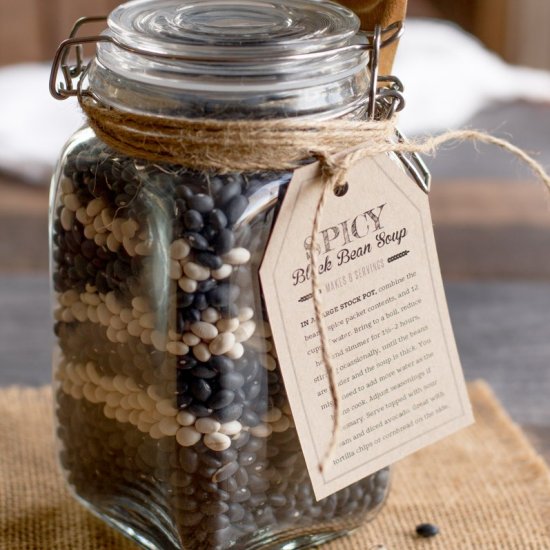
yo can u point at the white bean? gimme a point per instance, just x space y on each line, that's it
282 425
196 272
207 425
236 352
177 348
231 428
261 430
140 304
223 272
66 219
245 331
134 328
168 426
188 285
112 304
71 202
129 229
191 339
272 415
223 343
210 315
159 340
95 206
203 330
202 352
175 270
67 185
217 441
185 418
187 436
227 325
237 256
166 407
245 314
148 320
179 250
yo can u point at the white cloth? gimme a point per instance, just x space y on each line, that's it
448 77
33 126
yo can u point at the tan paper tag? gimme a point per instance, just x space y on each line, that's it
391 340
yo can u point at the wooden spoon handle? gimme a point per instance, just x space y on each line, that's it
379 12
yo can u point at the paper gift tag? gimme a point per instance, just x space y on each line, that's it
391 340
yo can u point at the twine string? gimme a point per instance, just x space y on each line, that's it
225 146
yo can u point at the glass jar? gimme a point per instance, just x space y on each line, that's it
173 421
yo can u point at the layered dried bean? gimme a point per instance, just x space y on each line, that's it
169 386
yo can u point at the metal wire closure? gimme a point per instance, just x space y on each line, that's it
385 96
66 89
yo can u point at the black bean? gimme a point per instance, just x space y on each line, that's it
220 538
236 512
201 203
196 240
228 192
184 192
208 486
224 241
247 459
222 364
84 160
207 286
215 523
188 362
209 259
221 399
229 413
215 507
190 520
184 400
255 444
209 233
200 301
257 484
257 500
200 389
210 460
231 380
253 390
277 500
223 295
230 485
249 418
235 208
202 371
217 219
185 299
193 220
189 460
206 471
226 471
199 410
190 314
240 495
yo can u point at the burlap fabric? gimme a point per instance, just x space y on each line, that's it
485 487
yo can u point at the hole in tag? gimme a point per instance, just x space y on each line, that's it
341 190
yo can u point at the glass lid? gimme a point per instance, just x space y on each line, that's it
230 58
227 29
